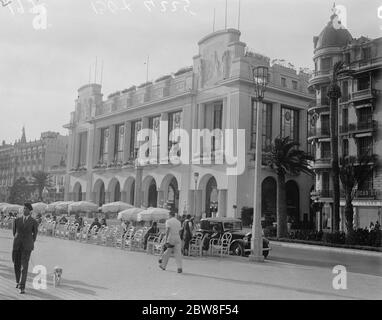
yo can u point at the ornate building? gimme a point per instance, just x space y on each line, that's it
23 158
216 93
359 115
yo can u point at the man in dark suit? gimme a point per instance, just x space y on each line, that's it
25 232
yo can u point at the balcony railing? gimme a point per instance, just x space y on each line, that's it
359 194
360 126
364 94
319 132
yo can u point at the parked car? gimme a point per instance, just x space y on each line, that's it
241 240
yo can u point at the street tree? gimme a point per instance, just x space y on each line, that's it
20 191
285 158
353 173
40 180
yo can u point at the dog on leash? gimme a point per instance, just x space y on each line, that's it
57 275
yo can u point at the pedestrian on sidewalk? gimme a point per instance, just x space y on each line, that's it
25 230
186 234
173 243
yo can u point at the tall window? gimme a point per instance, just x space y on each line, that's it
267 125
283 82
365 116
345 91
119 142
325 181
294 84
325 124
82 149
325 150
174 124
290 123
363 83
345 147
104 150
326 64
345 118
365 146
324 97
136 126
366 53
154 124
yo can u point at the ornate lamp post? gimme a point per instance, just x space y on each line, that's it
196 178
260 81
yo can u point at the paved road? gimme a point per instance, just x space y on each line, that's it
96 272
365 263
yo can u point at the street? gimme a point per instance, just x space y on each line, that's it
95 272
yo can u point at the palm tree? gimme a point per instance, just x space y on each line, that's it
40 180
353 173
285 158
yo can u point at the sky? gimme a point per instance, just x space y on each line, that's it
41 68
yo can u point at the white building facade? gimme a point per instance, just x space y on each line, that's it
215 93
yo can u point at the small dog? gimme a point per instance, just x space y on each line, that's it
57 275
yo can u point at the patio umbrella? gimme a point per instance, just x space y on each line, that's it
39 207
82 206
153 214
129 214
62 207
12 208
2 205
116 207
52 207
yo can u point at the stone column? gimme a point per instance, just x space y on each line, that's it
138 187
198 203
76 150
124 196
222 203
160 199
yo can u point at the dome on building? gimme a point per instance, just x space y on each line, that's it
333 35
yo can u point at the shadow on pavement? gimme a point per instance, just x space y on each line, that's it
270 285
67 285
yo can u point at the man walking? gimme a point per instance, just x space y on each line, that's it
25 232
173 227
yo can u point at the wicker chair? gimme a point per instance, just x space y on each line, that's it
221 246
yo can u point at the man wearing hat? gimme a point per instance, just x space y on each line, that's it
25 232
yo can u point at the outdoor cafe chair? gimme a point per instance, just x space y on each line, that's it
137 242
153 240
221 246
128 237
196 245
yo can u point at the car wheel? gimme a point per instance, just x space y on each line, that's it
237 249
265 254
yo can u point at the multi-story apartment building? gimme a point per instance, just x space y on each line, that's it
6 170
359 115
215 93
25 157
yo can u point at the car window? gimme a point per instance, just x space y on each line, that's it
234 225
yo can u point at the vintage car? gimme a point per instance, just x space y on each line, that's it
241 240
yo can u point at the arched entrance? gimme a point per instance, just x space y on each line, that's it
152 194
132 193
173 195
117 193
99 192
211 197
293 201
77 192
268 201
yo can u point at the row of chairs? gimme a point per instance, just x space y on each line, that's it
114 236
217 246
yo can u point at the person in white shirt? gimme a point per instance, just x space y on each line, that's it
173 228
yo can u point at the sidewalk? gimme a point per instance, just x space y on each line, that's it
96 272
325 248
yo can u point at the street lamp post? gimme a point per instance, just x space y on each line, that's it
196 178
260 80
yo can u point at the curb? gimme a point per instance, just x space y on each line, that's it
325 248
